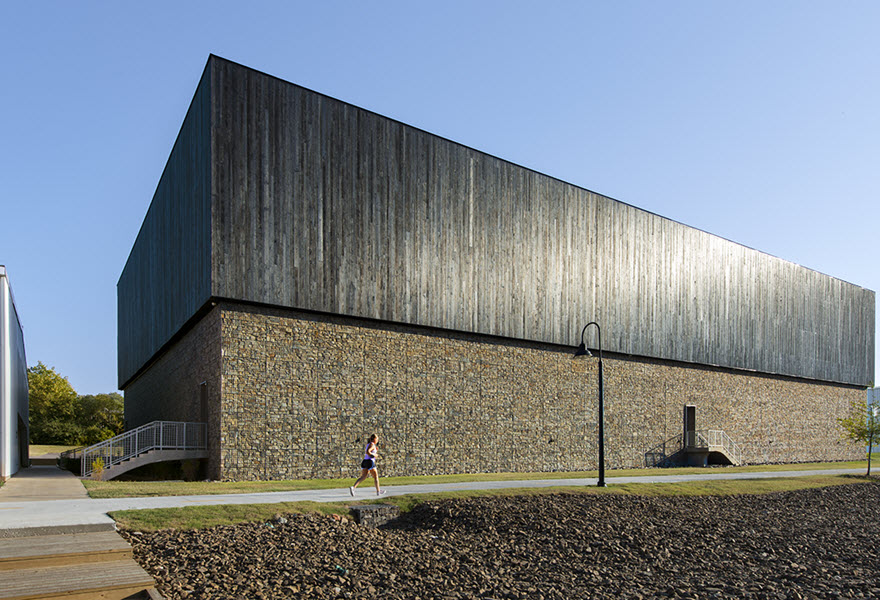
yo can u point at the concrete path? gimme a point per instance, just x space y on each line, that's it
23 516
42 483
41 486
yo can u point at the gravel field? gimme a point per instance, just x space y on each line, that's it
822 543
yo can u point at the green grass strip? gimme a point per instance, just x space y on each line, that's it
40 449
198 517
140 489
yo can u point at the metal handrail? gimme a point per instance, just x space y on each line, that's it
714 438
662 454
70 460
158 435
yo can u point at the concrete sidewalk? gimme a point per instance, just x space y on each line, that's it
42 483
20 515
40 486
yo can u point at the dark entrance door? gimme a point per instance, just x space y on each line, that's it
690 425
23 458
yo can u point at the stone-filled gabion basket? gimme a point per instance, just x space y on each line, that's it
374 515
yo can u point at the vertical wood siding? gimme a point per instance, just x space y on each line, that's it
319 205
167 276
323 206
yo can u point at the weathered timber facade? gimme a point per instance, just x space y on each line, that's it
167 277
278 197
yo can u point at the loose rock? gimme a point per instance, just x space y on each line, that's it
812 544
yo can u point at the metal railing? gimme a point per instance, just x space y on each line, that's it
71 460
158 435
664 453
714 439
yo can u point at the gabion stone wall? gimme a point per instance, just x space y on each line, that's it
301 393
374 515
179 381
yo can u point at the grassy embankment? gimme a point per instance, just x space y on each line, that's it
41 449
191 517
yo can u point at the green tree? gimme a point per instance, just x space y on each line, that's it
99 417
862 424
52 406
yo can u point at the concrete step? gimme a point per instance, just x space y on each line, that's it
44 461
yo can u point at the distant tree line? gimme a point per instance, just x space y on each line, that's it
58 415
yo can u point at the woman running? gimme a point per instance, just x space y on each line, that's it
368 465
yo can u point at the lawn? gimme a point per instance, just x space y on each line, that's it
194 517
134 489
40 449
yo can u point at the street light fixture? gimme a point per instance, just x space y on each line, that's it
583 351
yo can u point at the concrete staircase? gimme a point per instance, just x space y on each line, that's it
154 442
702 446
696 449
151 456
73 566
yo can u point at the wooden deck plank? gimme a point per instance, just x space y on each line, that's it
56 550
63 560
129 593
88 580
45 545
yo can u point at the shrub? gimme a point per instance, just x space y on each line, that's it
98 468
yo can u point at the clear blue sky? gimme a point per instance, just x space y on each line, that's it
756 121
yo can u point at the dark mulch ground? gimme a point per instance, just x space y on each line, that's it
822 543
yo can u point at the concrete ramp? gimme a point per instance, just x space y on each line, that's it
158 441
42 483
152 456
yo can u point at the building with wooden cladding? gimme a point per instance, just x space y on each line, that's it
309 272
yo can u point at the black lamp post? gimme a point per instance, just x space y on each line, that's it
582 351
